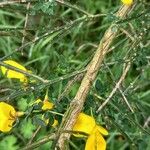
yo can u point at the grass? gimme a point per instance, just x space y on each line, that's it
60 41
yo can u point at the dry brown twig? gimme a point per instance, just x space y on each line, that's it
39 142
2 4
25 24
119 88
77 103
62 2
147 122
115 89
34 134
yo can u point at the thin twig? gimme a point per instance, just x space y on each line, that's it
73 7
62 2
41 86
58 30
2 4
25 24
115 88
120 90
40 142
80 49
147 122
34 134
125 99
36 39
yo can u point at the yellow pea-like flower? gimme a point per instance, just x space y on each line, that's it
95 141
47 105
8 116
14 74
84 124
127 2
87 124
55 123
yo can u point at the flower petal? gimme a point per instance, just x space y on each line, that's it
84 124
102 130
6 124
55 123
47 105
127 2
95 142
7 117
14 74
37 101
7 110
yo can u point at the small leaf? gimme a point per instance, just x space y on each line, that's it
27 128
38 106
22 104
98 85
9 143
46 7
114 28
39 121
51 120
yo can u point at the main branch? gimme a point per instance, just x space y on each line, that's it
77 103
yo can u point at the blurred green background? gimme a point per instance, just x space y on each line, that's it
59 42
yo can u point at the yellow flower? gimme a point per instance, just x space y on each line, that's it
84 124
8 116
46 104
87 124
14 74
127 2
95 141
55 123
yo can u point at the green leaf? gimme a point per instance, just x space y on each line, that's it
22 104
98 85
38 121
9 143
27 128
46 7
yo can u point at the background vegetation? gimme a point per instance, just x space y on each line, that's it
57 43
